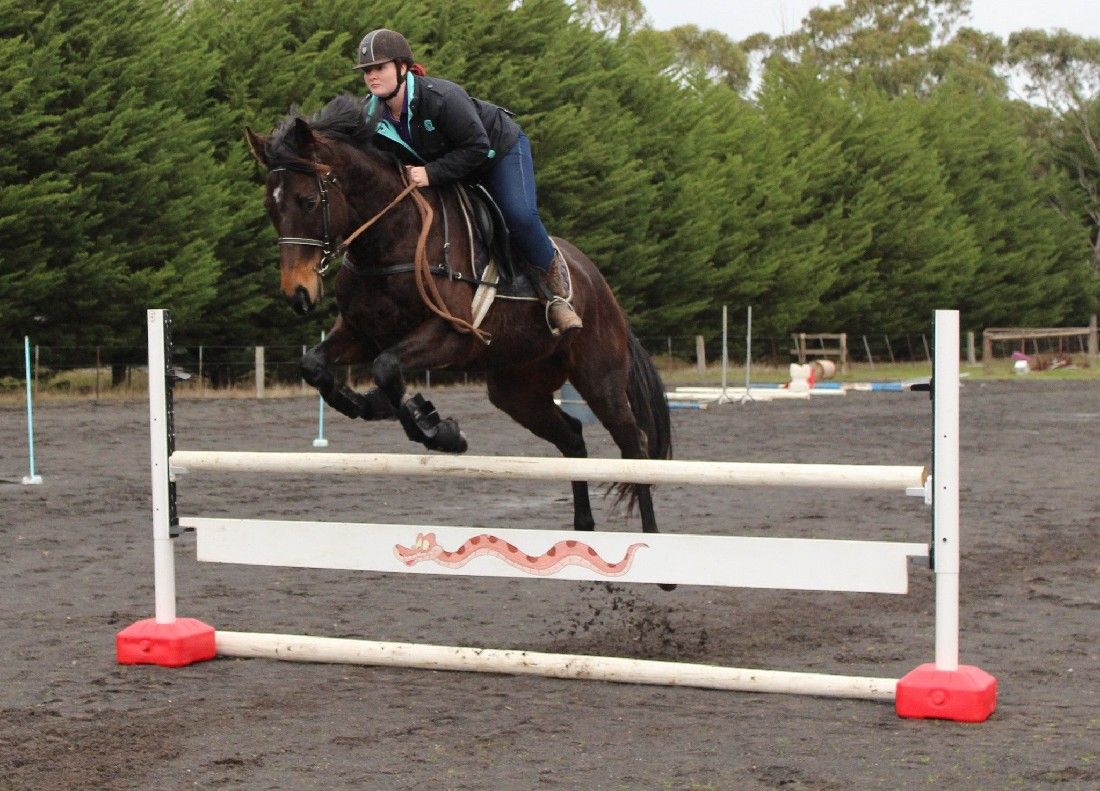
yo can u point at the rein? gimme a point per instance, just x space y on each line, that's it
422 269
425 283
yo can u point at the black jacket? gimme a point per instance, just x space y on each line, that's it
455 136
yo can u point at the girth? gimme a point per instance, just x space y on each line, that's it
440 270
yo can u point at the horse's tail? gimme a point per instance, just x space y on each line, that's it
647 397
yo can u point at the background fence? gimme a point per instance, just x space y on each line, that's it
96 370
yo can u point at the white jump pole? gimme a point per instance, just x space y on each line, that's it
164 563
595 470
944 689
724 399
945 488
32 478
163 639
302 648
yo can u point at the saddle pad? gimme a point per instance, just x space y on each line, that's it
519 288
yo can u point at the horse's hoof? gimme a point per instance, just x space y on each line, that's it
448 438
460 445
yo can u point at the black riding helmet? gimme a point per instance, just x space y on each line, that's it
382 46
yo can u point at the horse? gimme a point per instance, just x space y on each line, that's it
331 194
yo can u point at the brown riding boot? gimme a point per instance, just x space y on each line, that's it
560 315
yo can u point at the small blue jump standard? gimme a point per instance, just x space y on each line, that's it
320 441
32 478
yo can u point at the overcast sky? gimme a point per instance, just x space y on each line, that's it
741 18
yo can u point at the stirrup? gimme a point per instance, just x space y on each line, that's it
556 331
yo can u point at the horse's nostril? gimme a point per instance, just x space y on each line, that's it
300 303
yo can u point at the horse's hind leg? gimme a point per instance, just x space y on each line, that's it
340 346
608 400
529 400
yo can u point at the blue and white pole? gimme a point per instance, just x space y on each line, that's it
32 478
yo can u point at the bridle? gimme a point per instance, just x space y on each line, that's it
330 249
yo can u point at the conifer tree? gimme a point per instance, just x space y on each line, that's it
138 218
1030 265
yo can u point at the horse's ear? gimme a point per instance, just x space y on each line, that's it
257 144
301 137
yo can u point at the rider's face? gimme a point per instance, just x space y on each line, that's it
381 80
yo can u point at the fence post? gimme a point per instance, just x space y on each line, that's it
1094 342
970 359
259 372
867 348
700 355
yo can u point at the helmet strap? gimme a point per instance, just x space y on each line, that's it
400 81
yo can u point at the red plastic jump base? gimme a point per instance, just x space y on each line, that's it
175 644
968 694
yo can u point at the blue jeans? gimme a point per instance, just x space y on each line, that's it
511 182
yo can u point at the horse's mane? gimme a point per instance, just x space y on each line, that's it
340 120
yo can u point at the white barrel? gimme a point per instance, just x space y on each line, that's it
823 369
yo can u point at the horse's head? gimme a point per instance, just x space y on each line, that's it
305 204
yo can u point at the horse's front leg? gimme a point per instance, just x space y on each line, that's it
340 346
432 345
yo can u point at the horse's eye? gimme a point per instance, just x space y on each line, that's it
309 202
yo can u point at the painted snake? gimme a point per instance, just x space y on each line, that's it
562 554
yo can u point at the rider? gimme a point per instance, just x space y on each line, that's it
434 122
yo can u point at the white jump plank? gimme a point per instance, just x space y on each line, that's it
726 561
303 648
703 473
733 397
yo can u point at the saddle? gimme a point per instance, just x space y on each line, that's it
492 230
499 259
499 268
